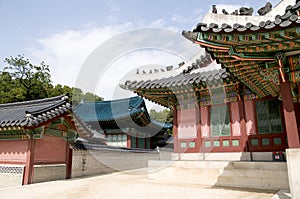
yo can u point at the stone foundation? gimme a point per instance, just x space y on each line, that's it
293 165
256 175
104 161
233 156
50 172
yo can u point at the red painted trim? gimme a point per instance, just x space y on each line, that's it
48 162
282 75
268 148
70 121
11 162
211 45
221 148
225 49
252 59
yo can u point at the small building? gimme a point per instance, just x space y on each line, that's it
124 122
35 139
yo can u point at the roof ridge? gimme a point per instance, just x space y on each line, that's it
109 101
266 23
60 97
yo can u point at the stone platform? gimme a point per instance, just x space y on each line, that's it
239 174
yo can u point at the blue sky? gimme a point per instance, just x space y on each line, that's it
64 33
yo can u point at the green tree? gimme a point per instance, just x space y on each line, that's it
22 80
10 91
162 116
34 79
91 97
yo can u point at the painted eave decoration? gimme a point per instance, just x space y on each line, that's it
250 52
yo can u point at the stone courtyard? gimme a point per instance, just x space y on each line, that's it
129 185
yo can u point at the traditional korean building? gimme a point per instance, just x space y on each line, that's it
124 122
250 104
35 139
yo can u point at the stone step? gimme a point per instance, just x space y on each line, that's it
258 175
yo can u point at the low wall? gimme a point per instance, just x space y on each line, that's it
11 175
257 175
50 172
232 156
109 160
293 162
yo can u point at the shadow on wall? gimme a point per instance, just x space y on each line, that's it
109 160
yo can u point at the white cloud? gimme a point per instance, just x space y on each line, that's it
194 18
126 68
66 53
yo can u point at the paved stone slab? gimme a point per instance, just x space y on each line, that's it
126 185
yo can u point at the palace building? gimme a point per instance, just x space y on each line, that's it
251 102
123 122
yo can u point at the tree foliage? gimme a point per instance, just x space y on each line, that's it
34 79
21 80
162 116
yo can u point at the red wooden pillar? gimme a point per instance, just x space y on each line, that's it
175 130
28 173
129 140
69 153
198 122
249 110
289 115
244 136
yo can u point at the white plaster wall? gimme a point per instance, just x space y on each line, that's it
11 175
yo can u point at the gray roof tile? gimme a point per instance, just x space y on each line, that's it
32 113
290 16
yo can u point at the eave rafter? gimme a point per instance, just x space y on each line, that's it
246 55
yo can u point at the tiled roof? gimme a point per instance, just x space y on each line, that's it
289 18
204 61
110 110
116 110
32 113
179 80
85 131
